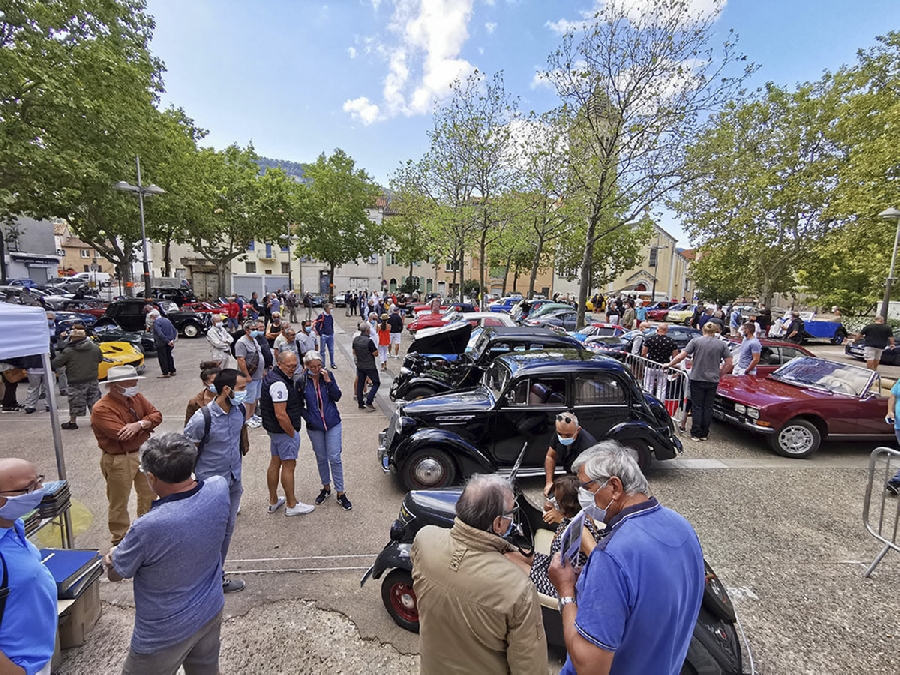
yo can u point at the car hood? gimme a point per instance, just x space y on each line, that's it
450 339
475 400
767 391
434 505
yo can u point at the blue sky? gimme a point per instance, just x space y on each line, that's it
298 78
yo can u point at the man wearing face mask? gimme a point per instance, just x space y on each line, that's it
250 362
306 341
122 420
29 618
478 611
219 447
633 607
569 442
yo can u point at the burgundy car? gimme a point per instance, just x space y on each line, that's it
659 311
804 402
774 354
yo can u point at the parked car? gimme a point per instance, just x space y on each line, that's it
481 319
128 314
119 354
681 334
566 319
25 283
428 320
65 321
526 308
110 332
804 402
504 304
659 311
773 355
599 329
889 357
440 360
441 440
340 299
204 308
173 294
680 313
92 306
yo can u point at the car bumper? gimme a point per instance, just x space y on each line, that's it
742 421
383 459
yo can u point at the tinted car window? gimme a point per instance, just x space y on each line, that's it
540 391
598 389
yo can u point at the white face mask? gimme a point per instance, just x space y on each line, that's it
589 506
128 392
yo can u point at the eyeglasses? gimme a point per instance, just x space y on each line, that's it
564 418
511 514
34 485
594 480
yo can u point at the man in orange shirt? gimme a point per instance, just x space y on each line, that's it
122 420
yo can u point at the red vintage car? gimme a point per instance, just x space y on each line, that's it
774 354
804 402
205 308
658 311
429 320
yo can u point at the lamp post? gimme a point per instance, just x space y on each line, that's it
140 191
890 214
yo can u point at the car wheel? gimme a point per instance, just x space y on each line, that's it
797 439
418 392
399 599
191 330
687 322
428 468
644 454
839 337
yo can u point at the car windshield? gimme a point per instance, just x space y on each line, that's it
831 376
480 344
476 333
168 307
496 378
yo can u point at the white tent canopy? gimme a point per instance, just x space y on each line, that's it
24 329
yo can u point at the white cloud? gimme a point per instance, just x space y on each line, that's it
352 52
422 55
637 10
362 109
490 26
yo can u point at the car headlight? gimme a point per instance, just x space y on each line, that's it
405 371
753 413
740 408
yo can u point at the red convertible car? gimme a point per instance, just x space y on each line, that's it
659 311
429 320
804 402
205 308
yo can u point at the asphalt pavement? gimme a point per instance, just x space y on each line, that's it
786 536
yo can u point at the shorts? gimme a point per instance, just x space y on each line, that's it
254 388
81 397
284 447
395 338
872 353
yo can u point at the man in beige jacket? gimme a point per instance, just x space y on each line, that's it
478 612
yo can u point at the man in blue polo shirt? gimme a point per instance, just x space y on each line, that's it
634 605
219 450
324 327
174 554
28 625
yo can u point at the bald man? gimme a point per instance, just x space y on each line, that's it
569 441
28 624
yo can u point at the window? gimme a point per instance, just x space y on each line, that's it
654 254
87 268
492 322
452 266
372 259
251 268
285 248
268 271
252 245
541 391
86 253
392 259
789 354
285 268
598 389
269 249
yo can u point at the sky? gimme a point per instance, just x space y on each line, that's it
297 78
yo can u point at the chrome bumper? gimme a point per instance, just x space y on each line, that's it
741 421
383 452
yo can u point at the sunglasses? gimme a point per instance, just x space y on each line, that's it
564 418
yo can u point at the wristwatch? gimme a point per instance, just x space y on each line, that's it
566 600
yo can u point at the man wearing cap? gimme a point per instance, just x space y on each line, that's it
80 360
164 336
569 441
122 420
28 628
396 323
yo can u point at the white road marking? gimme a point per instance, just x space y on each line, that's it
822 462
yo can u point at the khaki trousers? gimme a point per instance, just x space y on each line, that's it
120 473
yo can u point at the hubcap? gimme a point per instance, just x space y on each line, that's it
795 440
404 600
428 471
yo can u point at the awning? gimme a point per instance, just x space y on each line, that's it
35 259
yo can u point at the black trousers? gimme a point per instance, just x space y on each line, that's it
9 394
166 361
361 375
702 396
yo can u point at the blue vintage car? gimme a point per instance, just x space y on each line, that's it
504 304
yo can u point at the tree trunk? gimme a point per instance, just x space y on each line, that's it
331 282
220 278
167 257
482 249
535 266
587 260
506 275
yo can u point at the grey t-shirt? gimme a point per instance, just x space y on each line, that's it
174 554
362 349
707 354
247 349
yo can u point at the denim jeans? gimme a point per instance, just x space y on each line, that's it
702 396
361 375
327 447
234 492
328 341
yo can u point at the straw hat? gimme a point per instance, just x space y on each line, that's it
122 374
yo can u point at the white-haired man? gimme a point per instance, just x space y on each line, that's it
633 607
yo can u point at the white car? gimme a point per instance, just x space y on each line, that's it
481 319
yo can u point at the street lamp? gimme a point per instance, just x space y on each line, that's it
141 191
889 214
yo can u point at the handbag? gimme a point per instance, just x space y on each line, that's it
14 375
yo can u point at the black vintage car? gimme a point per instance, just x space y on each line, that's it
129 315
438 361
441 440
110 332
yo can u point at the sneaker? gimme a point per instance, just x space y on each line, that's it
344 502
323 495
334 366
232 585
12 408
370 407
277 505
69 425
63 392
28 411
299 510
695 438
892 488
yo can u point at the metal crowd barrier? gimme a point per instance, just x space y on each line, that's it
669 385
883 464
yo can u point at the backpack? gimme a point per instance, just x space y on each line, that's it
207 424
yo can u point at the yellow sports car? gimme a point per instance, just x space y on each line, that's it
680 314
119 354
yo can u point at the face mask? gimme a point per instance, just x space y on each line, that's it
16 507
238 397
217 324
128 392
255 333
590 508
212 388
565 441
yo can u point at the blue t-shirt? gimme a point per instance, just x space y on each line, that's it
221 455
174 553
639 593
895 391
749 347
28 631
